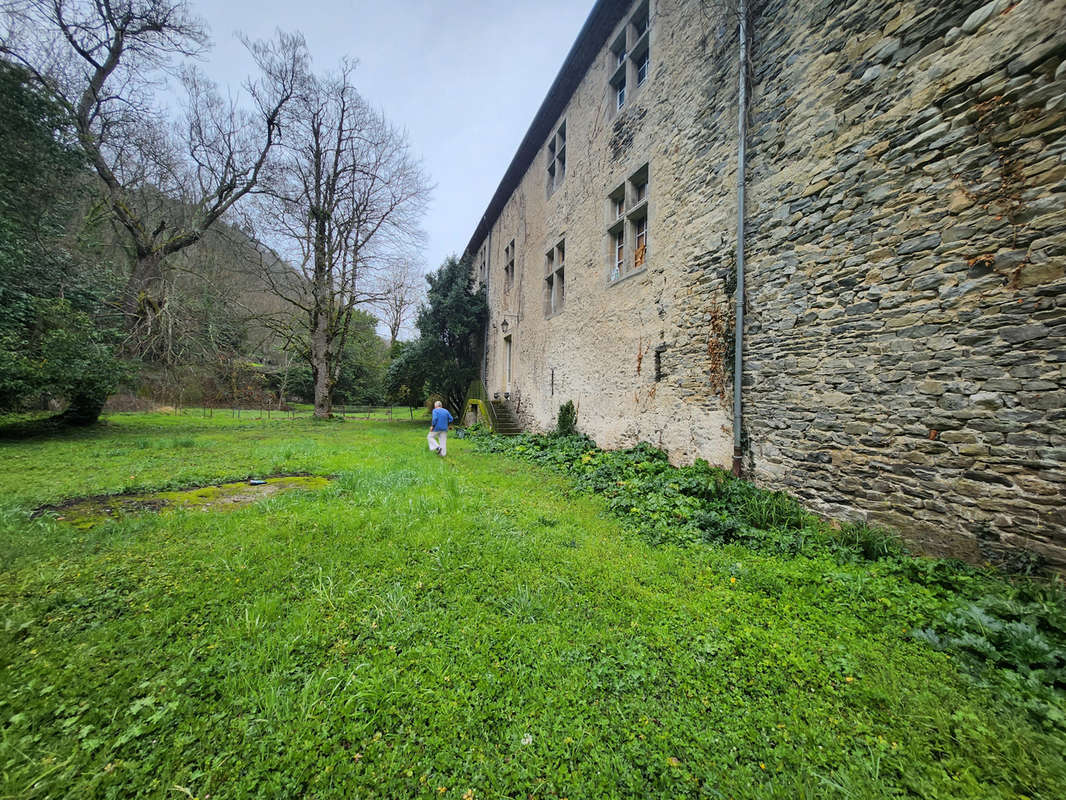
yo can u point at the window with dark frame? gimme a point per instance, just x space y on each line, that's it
508 266
555 279
630 53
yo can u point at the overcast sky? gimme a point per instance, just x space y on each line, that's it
463 77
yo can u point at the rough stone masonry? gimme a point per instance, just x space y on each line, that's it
906 251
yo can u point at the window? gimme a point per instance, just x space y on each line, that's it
507 350
640 21
618 50
629 57
554 279
640 187
618 248
627 226
640 241
557 158
508 266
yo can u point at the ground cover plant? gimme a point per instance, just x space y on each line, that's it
473 627
1011 636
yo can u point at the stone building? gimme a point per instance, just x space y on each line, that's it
905 246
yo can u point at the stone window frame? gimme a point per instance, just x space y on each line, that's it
556 154
629 57
627 226
555 279
508 266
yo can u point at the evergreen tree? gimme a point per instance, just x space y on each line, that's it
451 324
50 345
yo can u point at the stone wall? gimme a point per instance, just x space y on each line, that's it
600 349
906 249
907 329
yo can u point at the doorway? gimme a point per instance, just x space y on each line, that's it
507 350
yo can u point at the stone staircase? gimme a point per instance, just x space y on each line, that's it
506 422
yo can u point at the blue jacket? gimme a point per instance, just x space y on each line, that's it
441 418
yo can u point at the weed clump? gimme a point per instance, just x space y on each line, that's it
566 422
868 543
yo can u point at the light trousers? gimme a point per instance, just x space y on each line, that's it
438 440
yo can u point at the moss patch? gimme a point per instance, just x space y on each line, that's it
87 512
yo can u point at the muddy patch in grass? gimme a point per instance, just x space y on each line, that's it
85 512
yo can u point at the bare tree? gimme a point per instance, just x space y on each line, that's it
403 289
106 62
346 198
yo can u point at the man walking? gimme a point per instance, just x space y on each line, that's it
438 429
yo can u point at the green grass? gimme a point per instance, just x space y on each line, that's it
470 624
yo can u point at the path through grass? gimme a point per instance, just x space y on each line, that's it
465 628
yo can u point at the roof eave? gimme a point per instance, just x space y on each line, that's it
598 26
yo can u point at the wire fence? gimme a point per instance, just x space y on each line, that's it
374 413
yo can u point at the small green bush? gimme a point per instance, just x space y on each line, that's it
566 423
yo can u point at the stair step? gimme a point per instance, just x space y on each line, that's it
507 423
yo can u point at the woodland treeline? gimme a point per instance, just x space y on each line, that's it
165 238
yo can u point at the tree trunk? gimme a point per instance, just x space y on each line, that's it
144 299
320 369
84 409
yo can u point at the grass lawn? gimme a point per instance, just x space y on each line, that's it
458 628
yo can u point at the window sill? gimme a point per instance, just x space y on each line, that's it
555 313
639 210
627 276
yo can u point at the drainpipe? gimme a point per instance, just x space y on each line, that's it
738 356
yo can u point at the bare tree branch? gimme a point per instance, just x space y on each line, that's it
105 62
343 202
